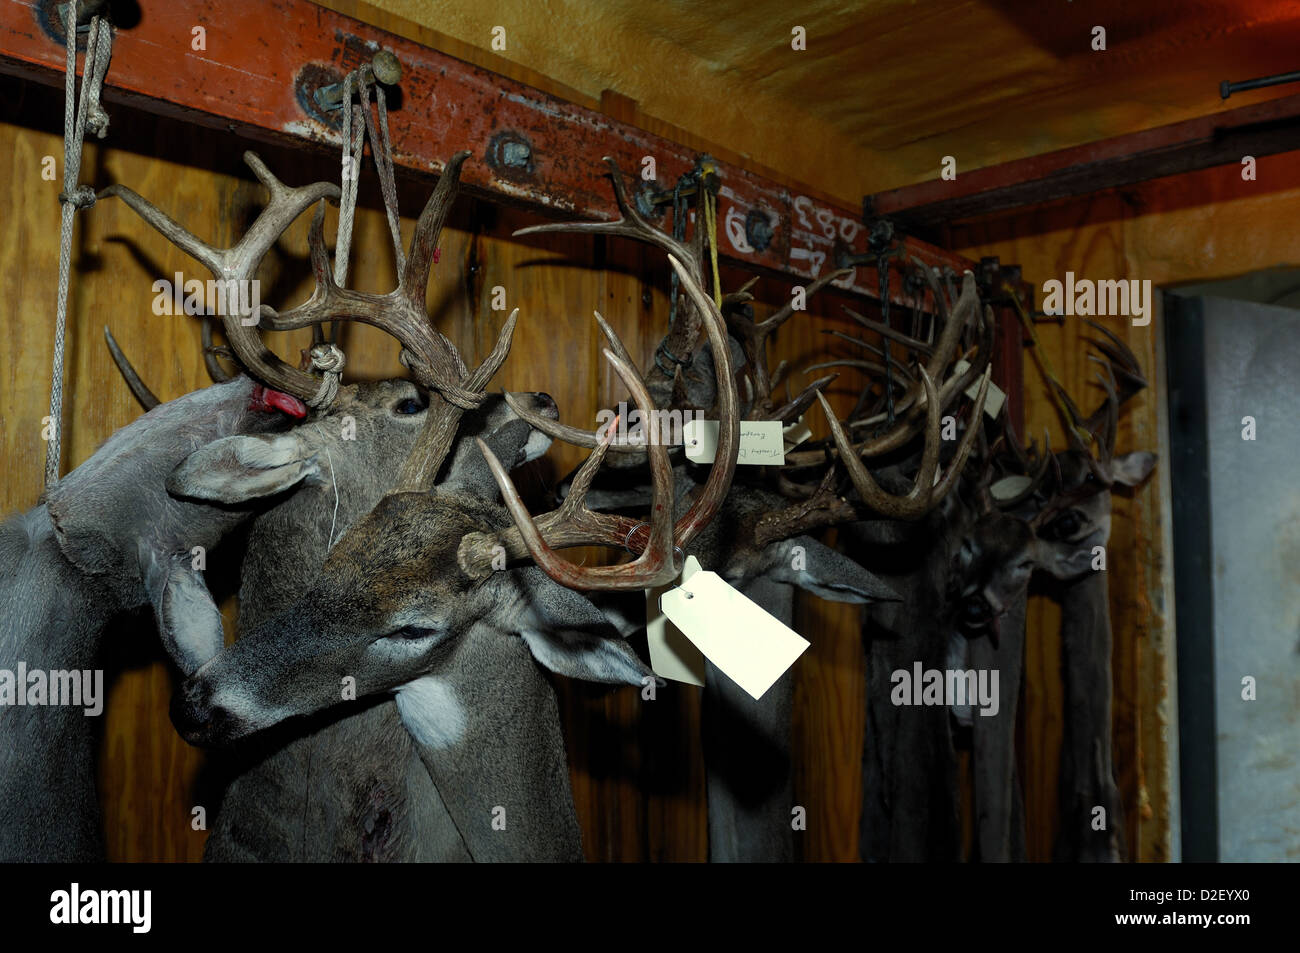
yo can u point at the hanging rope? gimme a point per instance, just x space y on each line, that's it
663 356
89 114
882 281
353 142
382 149
326 356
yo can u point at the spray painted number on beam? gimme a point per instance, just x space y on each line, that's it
735 228
827 224
815 258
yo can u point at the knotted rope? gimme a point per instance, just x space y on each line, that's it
328 358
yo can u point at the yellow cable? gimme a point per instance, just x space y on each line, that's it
711 226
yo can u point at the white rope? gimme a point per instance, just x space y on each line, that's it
326 356
382 150
329 359
354 137
335 518
89 114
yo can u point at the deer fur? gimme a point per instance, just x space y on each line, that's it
393 610
308 795
105 540
395 780
747 742
969 556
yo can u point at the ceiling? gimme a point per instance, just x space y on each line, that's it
886 88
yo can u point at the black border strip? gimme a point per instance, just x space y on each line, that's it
1193 576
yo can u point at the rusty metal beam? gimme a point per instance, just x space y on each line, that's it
1219 139
263 61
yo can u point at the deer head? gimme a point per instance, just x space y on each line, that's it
415 600
414 580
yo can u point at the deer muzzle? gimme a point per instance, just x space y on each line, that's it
202 721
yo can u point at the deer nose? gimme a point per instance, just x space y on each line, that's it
545 405
974 615
198 720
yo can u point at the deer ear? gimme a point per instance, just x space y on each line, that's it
188 620
1130 469
568 635
239 468
816 568
468 471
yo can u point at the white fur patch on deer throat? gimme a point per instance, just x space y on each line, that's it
431 712
536 445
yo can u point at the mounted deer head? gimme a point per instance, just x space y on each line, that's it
758 530
408 601
1047 513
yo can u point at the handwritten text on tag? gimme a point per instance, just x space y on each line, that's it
761 443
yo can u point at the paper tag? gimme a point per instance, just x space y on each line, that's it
761 443
750 647
672 655
795 434
1010 486
993 402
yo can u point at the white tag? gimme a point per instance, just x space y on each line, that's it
672 655
795 434
1009 487
993 402
760 442
746 643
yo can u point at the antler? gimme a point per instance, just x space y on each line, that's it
574 524
240 264
910 406
1033 467
928 489
824 507
683 335
1103 423
753 337
433 359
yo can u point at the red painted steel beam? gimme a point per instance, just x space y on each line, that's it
1218 139
264 58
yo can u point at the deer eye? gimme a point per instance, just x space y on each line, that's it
412 633
408 406
1064 527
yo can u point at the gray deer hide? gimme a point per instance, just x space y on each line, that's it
106 539
345 785
747 743
393 610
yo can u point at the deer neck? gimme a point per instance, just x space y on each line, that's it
1087 771
487 727
54 618
909 766
747 754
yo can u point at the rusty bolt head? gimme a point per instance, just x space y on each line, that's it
386 67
